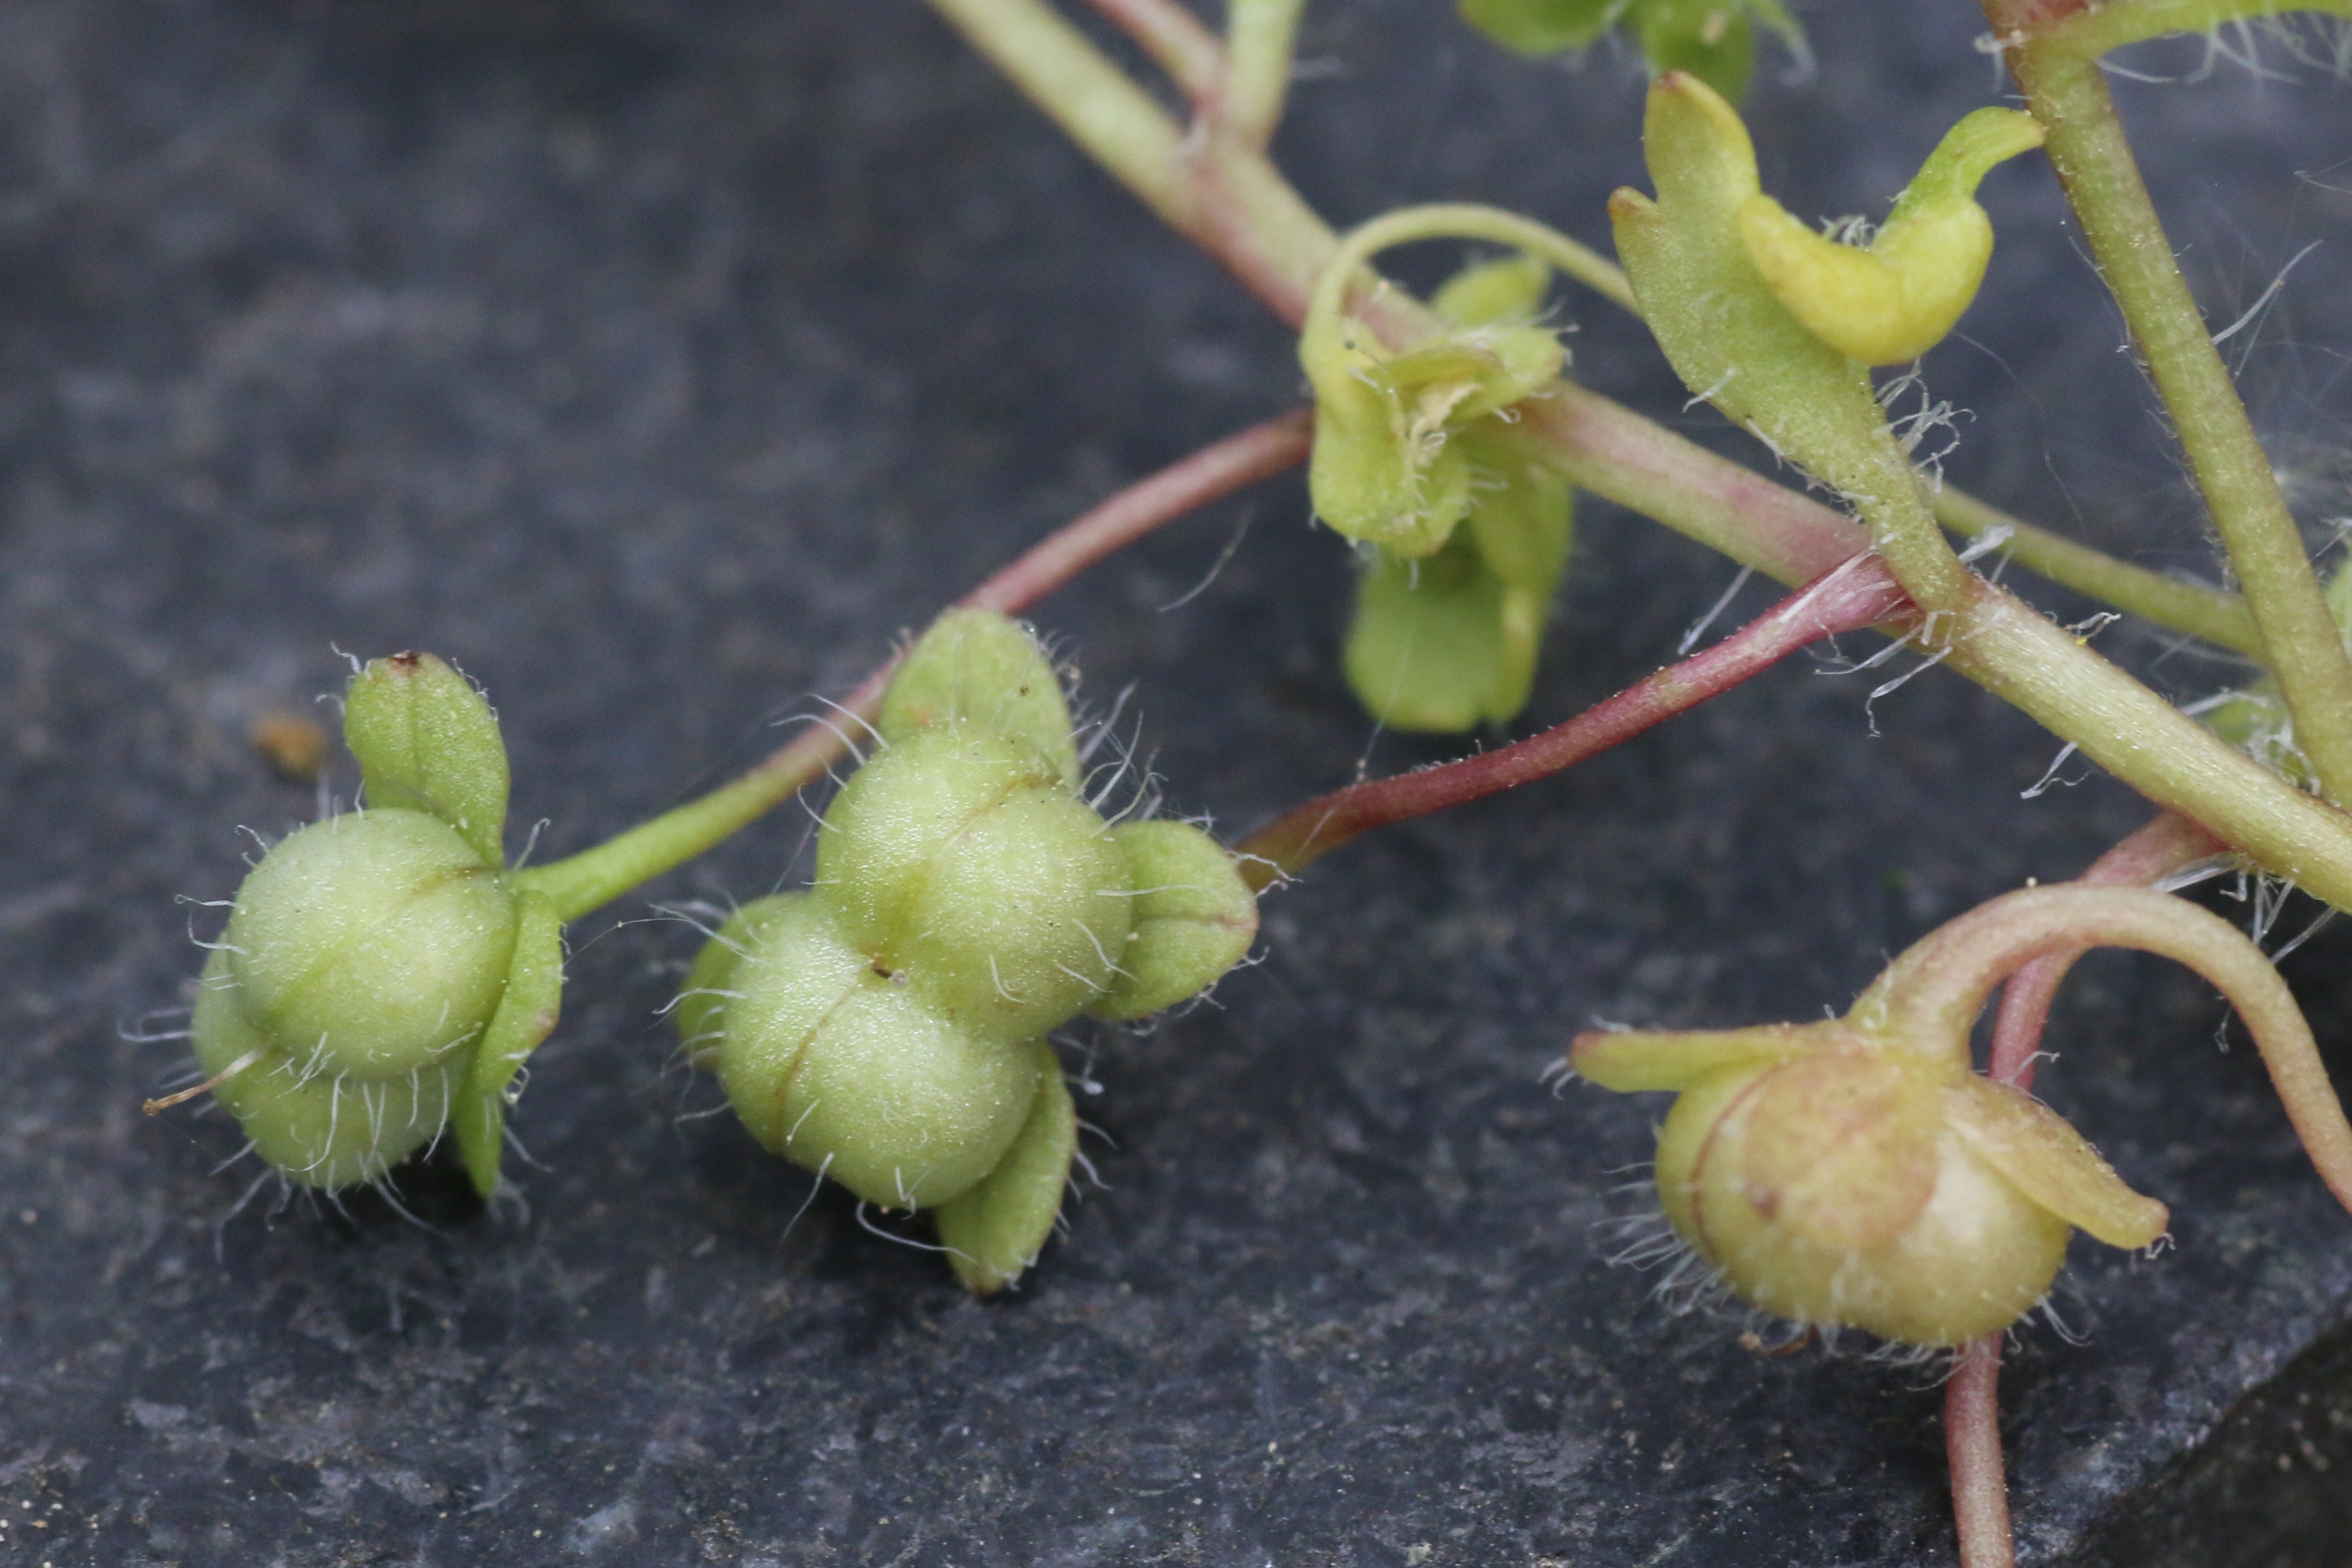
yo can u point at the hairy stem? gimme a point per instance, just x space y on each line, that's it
2301 643
597 876
1972 1447
2093 31
2164 846
1857 594
2206 613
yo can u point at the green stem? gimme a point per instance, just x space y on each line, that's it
2221 619
1099 108
2096 30
1262 36
2301 643
597 876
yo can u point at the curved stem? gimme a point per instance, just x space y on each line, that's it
2166 845
1972 1395
1463 220
1857 594
598 875
1934 991
1176 42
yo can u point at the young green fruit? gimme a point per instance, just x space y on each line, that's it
885 1027
1857 1173
1833 1178
380 980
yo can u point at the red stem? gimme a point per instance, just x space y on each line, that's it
1185 486
1972 1396
2165 845
1258 453
1857 594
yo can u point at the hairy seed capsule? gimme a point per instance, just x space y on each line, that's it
1831 1190
378 941
382 977
885 1027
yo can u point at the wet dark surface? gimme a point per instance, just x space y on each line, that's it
658 364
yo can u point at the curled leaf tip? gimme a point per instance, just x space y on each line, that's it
1897 297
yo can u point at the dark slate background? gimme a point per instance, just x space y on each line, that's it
659 363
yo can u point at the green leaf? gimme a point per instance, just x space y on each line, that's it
426 740
527 1012
1543 27
995 1230
1729 339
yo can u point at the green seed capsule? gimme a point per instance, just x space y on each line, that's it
377 942
318 1129
885 1028
1843 1173
957 859
979 668
1829 1190
381 977
842 1069
702 1008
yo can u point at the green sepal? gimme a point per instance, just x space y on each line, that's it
1194 918
1450 642
1629 1062
987 670
701 1011
427 740
2047 1160
1424 650
995 1230
526 1013
1387 467
1500 292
